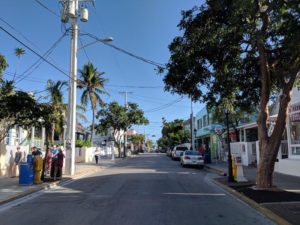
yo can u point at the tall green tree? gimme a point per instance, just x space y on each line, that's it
173 133
3 65
245 49
92 83
19 52
20 108
137 140
54 88
119 118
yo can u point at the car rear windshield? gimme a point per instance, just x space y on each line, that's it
192 153
182 148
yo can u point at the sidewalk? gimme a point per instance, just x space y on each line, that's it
11 190
279 210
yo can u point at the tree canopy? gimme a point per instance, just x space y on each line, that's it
20 108
92 83
217 57
119 118
173 133
241 52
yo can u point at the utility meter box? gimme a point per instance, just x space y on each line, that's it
238 160
239 169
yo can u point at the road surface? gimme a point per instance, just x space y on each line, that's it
149 189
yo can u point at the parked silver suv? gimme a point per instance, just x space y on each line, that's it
177 151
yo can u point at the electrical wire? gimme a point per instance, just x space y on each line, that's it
84 49
151 62
35 65
33 51
27 79
164 106
133 86
9 25
45 7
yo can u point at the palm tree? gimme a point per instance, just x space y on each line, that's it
18 52
92 83
56 100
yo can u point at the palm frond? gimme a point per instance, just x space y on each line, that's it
19 52
84 97
82 117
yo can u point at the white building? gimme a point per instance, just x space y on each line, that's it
288 160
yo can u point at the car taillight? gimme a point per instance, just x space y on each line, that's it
186 157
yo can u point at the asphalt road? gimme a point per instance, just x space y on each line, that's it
149 189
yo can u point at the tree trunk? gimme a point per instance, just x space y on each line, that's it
119 149
52 132
125 141
93 124
269 146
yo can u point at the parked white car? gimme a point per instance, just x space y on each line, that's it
177 151
192 158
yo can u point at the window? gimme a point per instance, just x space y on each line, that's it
295 137
199 123
192 153
181 148
205 121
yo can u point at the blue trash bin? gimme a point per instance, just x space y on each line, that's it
30 158
26 174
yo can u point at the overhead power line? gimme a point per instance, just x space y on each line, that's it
164 106
30 49
127 52
84 50
133 86
45 7
39 61
35 65
17 31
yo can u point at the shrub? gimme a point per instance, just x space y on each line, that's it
82 143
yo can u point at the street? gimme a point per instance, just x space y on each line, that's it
143 190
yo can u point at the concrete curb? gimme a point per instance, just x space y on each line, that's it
264 211
45 186
215 170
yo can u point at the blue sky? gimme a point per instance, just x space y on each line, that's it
142 27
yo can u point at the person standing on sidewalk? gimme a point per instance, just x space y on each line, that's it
54 152
38 165
48 162
59 163
17 161
202 149
96 155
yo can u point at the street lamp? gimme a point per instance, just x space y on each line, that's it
107 39
230 176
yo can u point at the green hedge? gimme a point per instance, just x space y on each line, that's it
82 143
